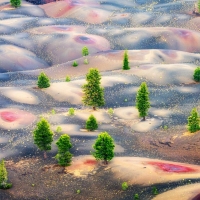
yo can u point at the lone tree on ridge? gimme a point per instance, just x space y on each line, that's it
125 61
43 81
142 100
64 157
43 136
93 92
193 121
104 147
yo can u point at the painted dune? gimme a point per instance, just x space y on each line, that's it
143 171
162 38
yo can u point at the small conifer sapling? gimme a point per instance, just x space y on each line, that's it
85 51
142 100
91 123
43 81
125 61
193 121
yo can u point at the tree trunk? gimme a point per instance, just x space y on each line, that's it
94 108
144 118
45 155
105 162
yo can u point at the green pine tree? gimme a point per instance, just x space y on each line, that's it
15 3
85 51
196 74
142 100
91 123
43 81
43 136
193 121
3 175
93 93
64 157
125 61
104 147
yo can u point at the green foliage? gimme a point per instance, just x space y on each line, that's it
75 64
15 3
110 111
67 79
142 100
3 174
198 6
86 61
154 190
85 51
165 127
64 157
78 191
53 112
59 129
104 147
71 111
43 81
193 121
125 61
196 74
91 123
42 135
93 93
136 197
124 186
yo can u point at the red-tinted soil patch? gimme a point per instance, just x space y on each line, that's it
90 162
172 167
197 197
9 116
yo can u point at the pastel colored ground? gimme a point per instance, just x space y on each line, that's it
184 193
163 42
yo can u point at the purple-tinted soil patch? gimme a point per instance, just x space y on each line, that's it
197 197
171 54
84 40
172 167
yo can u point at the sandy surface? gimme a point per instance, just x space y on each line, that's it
186 192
